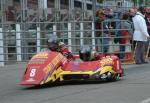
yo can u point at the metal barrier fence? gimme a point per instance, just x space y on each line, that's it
18 43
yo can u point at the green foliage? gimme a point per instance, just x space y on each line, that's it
100 1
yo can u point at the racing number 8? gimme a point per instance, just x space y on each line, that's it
32 73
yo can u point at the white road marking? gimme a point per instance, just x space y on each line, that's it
146 101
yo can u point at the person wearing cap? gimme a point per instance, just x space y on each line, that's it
140 35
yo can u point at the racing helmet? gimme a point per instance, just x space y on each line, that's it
93 55
86 53
53 43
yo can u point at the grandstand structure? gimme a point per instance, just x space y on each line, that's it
26 24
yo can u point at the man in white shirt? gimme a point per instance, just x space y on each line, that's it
140 35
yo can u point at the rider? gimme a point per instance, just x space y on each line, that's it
55 45
87 54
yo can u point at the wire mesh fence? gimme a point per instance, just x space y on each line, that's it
20 45
27 24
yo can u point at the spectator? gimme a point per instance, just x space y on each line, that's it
130 16
10 13
100 16
126 32
147 18
140 35
130 19
109 16
101 25
117 27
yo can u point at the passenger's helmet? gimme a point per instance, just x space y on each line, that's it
86 53
53 43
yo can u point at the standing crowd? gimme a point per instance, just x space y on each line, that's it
129 27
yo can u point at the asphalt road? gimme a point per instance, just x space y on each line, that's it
133 88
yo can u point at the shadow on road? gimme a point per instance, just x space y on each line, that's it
67 83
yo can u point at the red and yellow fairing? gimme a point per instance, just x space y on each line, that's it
91 69
47 67
43 68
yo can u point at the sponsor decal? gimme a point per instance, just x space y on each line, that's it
37 61
118 66
41 55
106 61
53 63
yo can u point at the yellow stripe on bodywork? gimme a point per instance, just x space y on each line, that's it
54 76
70 72
59 73
102 70
107 69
